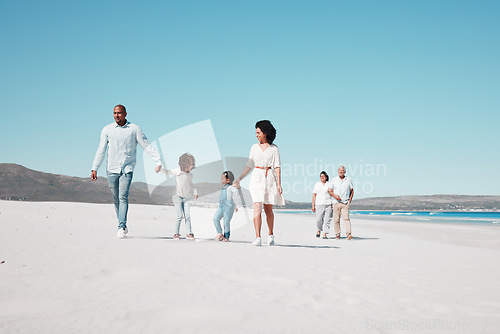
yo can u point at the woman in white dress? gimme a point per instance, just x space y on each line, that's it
265 184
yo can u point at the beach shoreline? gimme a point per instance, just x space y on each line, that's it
64 271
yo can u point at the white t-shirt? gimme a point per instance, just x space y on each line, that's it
342 188
183 182
322 195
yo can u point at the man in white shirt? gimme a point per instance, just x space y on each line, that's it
342 191
120 139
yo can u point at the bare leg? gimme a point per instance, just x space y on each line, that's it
257 218
268 209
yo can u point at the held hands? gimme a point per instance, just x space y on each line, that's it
235 209
337 197
93 175
236 184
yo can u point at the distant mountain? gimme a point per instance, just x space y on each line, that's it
419 203
429 203
20 183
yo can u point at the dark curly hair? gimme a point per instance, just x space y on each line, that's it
229 176
268 129
326 175
185 161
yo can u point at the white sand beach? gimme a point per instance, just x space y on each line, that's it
63 271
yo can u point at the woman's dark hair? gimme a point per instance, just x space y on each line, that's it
229 176
185 161
268 129
324 173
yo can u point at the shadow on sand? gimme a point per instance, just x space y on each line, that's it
233 242
265 245
152 238
278 245
360 238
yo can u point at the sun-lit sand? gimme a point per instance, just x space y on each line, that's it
63 271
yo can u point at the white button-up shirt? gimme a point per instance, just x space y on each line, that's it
342 188
121 143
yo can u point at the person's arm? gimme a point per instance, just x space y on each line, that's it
148 148
330 191
174 172
232 191
248 167
277 169
351 192
244 173
195 191
314 201
278 177
99 155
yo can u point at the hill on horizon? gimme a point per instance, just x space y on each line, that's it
23 184
429 203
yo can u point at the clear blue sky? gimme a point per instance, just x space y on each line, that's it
408 87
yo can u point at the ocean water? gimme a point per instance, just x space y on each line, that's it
455 217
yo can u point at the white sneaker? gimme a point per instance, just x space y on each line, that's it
257 241
126 230
121 234
270 240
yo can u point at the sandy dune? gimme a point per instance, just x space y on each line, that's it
64 272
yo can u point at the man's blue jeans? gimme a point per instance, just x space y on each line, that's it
119 183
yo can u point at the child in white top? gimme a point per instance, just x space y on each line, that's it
183 187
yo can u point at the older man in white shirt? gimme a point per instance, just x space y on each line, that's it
342 191
120 139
